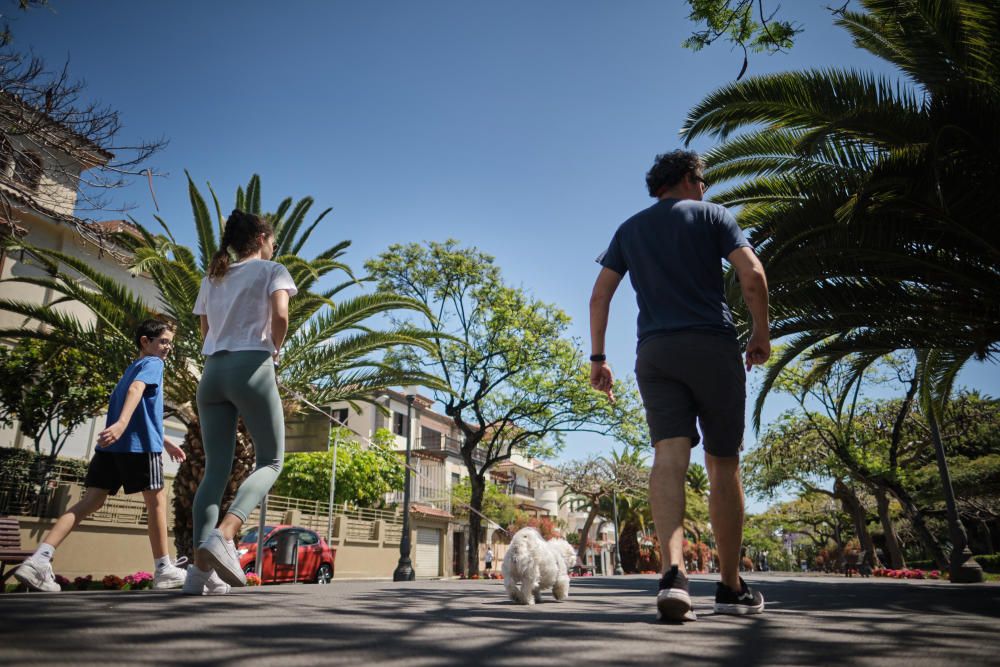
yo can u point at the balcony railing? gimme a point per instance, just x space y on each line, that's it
448 445
518 490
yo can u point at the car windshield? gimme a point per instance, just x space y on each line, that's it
251 536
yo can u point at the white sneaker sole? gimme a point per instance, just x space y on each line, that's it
218 556
34 582
739 609
674 604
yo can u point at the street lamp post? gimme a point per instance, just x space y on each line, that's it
618 553
404 569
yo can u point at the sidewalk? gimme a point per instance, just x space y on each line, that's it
606 621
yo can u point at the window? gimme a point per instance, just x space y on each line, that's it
455 478
429 438
399 423
307 538
340 416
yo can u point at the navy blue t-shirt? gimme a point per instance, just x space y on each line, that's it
673 254
144 432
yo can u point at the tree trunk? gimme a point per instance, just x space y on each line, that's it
892 550
478 484
853 507
629 546
189 476
581 549
916 517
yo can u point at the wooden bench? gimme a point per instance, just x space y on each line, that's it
11 552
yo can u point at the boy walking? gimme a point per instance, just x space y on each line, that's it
129 456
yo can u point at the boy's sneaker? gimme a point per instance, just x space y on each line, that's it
673 602
171 576
203 583
37 576
746 601
221 553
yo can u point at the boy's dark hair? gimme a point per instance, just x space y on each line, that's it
670 168
240 237
150 329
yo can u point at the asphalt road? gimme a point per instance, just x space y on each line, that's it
606 621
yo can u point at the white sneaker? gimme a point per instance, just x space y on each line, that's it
203 583
37 576
221 553
171 576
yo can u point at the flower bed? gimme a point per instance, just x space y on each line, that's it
909 574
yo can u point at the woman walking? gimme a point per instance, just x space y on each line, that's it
243 307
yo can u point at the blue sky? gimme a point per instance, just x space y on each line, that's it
522 128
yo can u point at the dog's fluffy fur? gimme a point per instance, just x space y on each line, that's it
532 565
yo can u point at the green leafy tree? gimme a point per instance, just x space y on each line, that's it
500 507
747 23
50 390
364 474
589 484
515 383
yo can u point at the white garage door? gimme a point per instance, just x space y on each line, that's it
428 553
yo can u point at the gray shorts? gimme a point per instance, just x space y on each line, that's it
693 376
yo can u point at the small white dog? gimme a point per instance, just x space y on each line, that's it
532 565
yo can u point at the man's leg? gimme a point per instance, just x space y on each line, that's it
666 498
156 508
725 508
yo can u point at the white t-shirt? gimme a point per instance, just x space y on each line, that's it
238 305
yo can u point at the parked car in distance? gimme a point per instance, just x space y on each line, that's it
316 557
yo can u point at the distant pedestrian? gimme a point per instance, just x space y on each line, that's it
688 364
489 559
128 455
243 307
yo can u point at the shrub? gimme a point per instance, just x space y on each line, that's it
112 582
989 562
83 583
253 580
137 581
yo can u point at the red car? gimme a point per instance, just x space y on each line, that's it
315 555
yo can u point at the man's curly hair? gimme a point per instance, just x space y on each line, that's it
670 168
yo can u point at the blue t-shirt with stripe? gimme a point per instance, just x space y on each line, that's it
144 432
673 253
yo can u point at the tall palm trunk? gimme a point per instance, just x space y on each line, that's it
190 474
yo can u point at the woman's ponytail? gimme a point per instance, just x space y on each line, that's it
238 238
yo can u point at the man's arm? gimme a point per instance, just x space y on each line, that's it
753 284
607 282
111 434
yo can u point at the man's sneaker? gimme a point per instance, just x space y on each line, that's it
221 553
171 576
203 583
37 576
673 602
746 601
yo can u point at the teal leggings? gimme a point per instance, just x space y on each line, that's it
236 384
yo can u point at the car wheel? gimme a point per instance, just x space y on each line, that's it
251 568
324 574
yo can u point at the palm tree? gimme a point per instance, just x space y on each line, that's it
697 479
867 198
330 354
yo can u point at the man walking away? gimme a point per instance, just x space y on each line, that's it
688 366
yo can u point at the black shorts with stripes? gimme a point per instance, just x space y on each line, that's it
142 471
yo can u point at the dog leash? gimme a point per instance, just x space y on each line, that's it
379 449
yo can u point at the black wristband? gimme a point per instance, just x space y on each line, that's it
598 357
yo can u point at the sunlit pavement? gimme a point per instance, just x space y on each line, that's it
607 620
